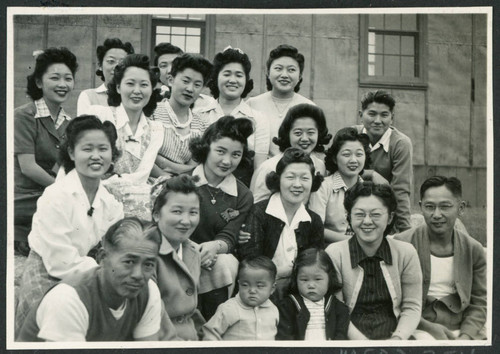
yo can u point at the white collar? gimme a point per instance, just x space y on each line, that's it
275 208
228 184
383 141
102 88
73 184
122 121
243 108
166 248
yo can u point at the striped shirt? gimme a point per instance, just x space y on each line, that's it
373 314
176 146
316 326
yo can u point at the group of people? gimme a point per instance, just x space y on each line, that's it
163 213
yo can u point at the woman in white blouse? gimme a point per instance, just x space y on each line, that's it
72 214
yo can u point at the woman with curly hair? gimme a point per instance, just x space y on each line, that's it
285 67
109 54
225 203
304 127
230 83
39 130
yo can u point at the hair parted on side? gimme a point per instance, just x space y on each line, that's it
130 227
45 59
292 155
74 131
379 96
383 192
110 43
133 60
259 262
285 50
313 256
303 110
179 184
344 135
223 58
165 48
238 129
192 61
453 184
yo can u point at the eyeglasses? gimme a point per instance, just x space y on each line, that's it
430 208
375 216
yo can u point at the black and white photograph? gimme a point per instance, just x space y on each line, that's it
208 178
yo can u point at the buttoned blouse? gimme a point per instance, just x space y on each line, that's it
259 141
63 233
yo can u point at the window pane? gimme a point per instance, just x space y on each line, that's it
391 65
376 21
409 22
379 43
178 30
162 29
162 38
193 31
193 45
393 22
407 45
178 41
391 44
197 17
408 66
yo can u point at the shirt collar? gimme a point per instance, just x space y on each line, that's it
42 110
358 255
338 182
383 141
166 248
244 109
74 185
275 208
266 303
210 106
228 184
101 88
123 122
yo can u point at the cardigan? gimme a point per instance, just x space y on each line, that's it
396 166
403 279
294 317
266 230
469 273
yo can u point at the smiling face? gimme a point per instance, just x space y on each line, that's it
256 286
128 267
351 159
369 219
223 158
165 64
56 84
295 184
92 154
440 209
231 81
186 86
111 59
284 75
135 88
376 118
304 134
312 282
178 217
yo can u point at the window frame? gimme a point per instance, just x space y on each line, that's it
417 83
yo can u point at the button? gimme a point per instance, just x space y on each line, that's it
189 291
57 146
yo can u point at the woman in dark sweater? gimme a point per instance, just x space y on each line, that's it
281 226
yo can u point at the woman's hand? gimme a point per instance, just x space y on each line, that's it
438 331
208 251
243 236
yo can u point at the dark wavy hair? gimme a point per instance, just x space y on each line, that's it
221 60
312 256
453 184
303 110
180 184
133 60
131 227
367 188
285 50
192 61
379 96
165 48
259 262
238 129
342 136
110 43
76 127
292 155
45 59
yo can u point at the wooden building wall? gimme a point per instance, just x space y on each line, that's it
446 121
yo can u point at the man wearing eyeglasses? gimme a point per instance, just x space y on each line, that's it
453 266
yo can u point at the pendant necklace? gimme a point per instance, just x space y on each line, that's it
283 103
213 200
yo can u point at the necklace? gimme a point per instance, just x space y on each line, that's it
213 200
175 119
281 104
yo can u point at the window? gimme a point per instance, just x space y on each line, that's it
184 31
392 50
